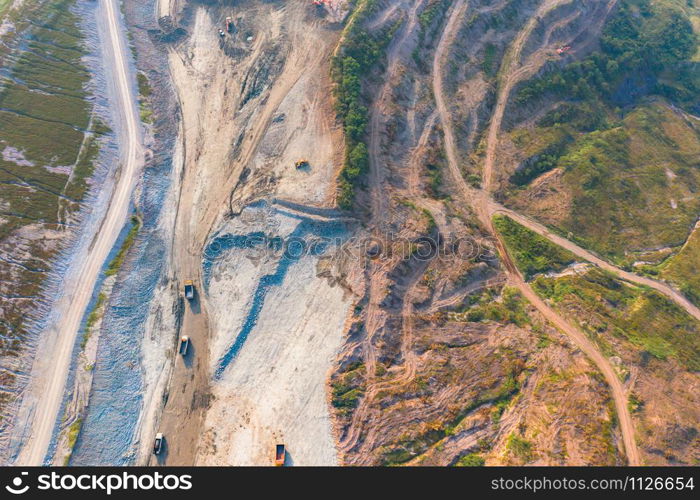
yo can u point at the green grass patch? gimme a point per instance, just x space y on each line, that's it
629 188
684 269
118 259
44 116
471 460
145 91
429 21
519 447
634 403
485 307
629 160
534 254
73 433
348 388
606 307
93 318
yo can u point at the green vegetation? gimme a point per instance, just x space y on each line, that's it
49 141
118 259
684 269
4 5
348 388
471 460
144 86
73 433
44 115
429 21
434 181
646 319
641 42
500 396
355 58
540 163
490 62
533 254
631 187
628 157
145 92
93 317
486 307
519 447
634 403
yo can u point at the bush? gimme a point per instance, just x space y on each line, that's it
532 253
353 61
639 42
471 460
519 447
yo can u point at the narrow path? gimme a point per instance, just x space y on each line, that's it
50 382
379 200
374 320
540 229
448 35
510 74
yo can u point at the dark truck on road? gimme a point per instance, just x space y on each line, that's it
280 455
184 345
189 290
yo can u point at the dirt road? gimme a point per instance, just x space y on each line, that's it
665 289
481 202
379 201
511 73
448 34
49 374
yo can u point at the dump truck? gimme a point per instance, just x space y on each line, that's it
158 443
229 24
184 345
280 455
303 163
189 290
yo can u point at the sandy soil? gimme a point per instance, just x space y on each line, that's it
225 131
274 391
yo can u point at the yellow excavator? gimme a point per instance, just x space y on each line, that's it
303 163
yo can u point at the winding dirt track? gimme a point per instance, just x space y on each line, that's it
511 73
481 202
379 201
540 229
49 383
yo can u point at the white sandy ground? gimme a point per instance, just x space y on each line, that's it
300 328
42 399
274 391
305 132
159 343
